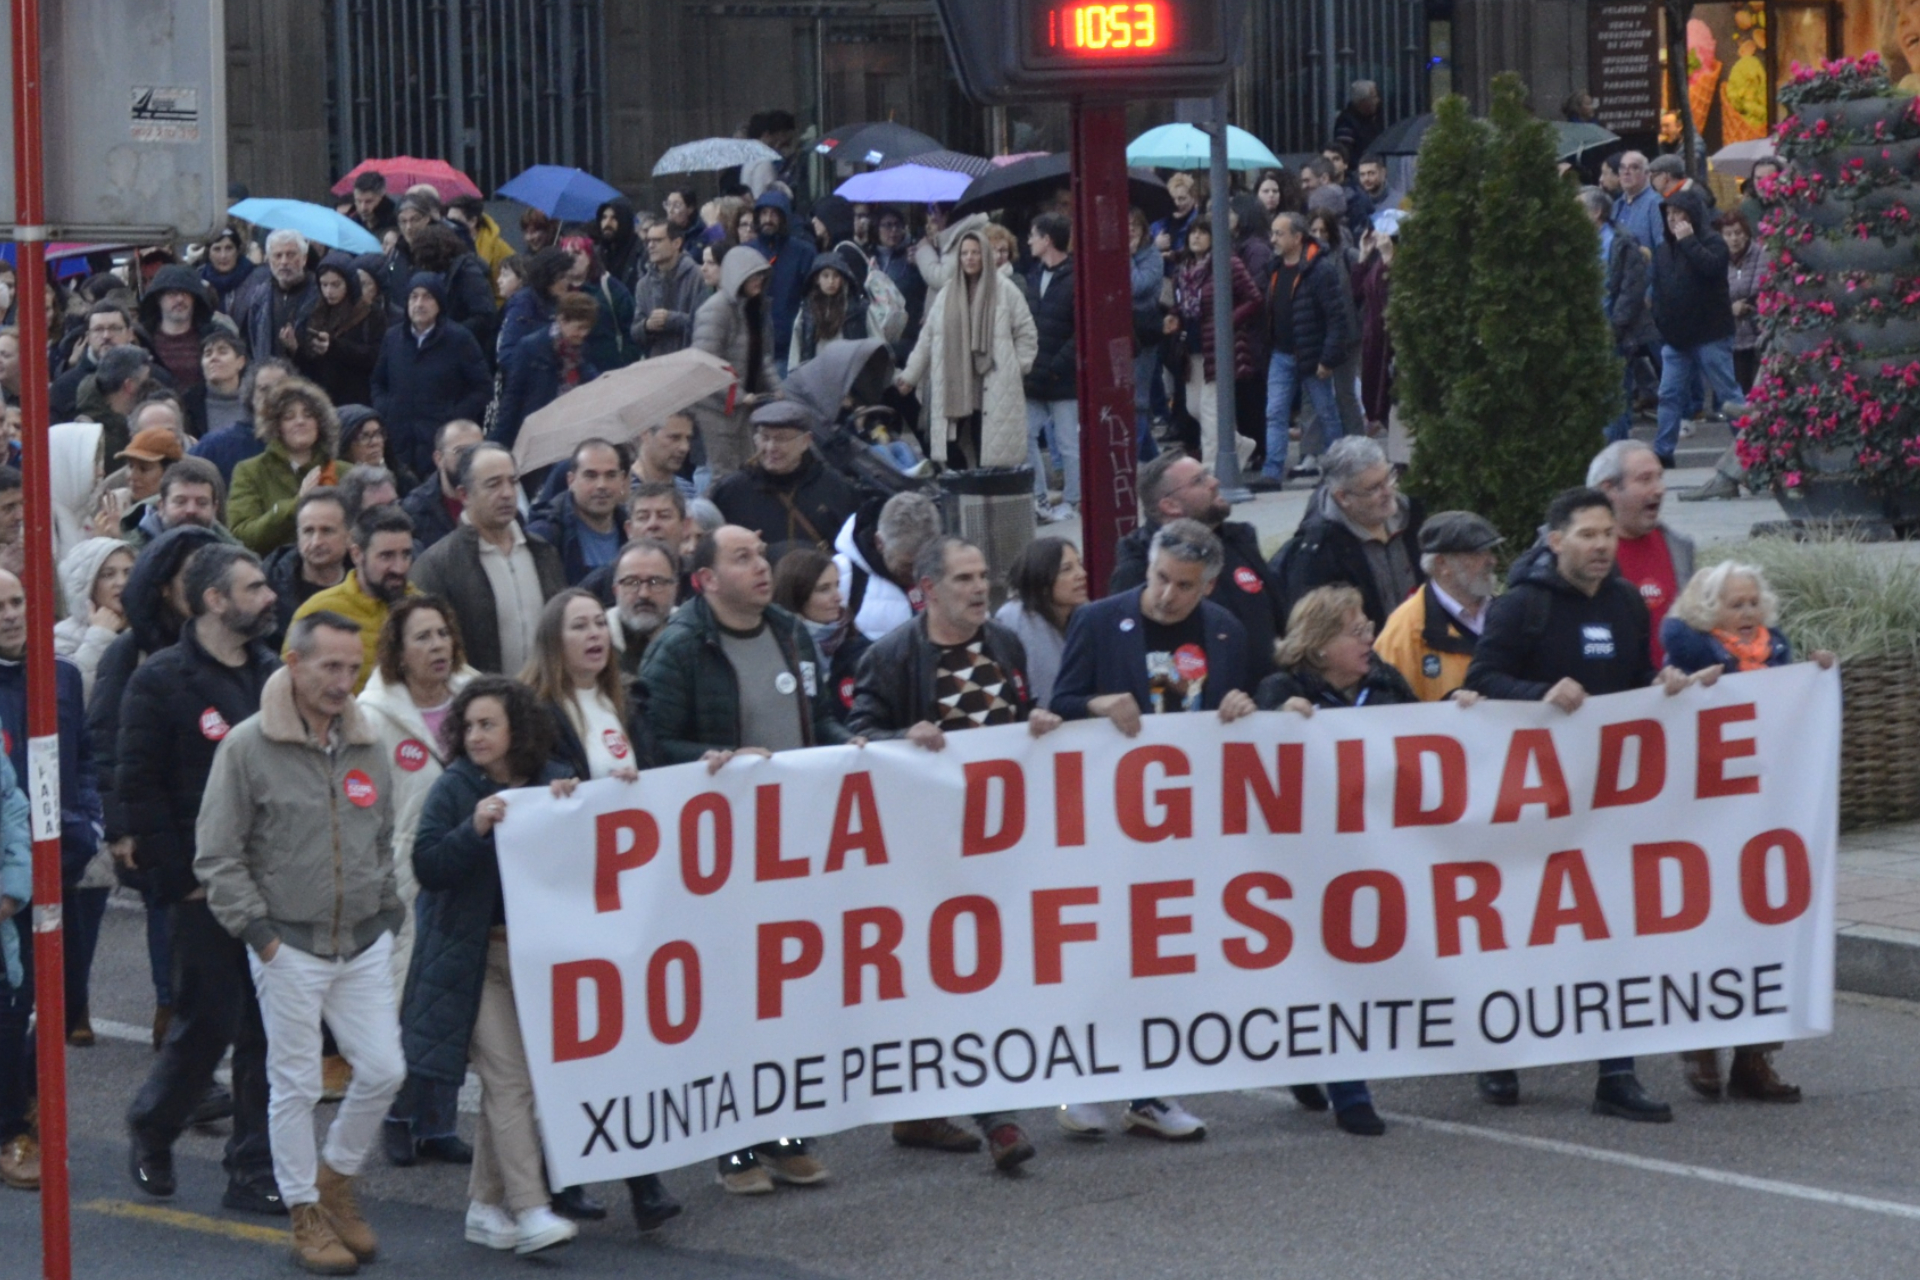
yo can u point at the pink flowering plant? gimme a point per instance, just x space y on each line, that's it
1839 304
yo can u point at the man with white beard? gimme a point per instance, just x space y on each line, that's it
1430 638
646 581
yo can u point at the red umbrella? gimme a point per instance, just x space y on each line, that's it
402 172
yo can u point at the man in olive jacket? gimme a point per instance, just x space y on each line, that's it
295 848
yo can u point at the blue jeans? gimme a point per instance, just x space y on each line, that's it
1063 419
1349 1093
1616 1066
1284 378
1146 376
1680 370
1622 427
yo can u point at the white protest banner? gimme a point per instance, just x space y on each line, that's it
840 936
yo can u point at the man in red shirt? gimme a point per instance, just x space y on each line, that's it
1656 559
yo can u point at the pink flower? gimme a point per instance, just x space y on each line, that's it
1791 479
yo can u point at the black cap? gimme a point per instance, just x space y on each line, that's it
1671 165
1454 531
783 415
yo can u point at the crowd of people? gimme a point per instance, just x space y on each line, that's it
315 620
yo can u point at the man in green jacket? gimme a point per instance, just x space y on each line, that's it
295 848
731 674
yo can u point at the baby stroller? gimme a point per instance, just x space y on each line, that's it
857 435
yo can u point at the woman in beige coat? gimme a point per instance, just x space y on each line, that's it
977 344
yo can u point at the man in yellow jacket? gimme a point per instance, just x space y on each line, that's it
1430 638
382 558
490 246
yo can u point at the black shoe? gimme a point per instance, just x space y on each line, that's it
653 1206
1361 1119
575 1203
256 1194
1310 1096
1501 1088
1621 1095
216 1106
1666 461
1261 482
397 1137
151 1168
451 1149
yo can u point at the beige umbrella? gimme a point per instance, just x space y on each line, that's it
617 406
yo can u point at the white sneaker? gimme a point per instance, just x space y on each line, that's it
1164 1118
492 1226
1060 513
1083 1119
1686 429
541 1228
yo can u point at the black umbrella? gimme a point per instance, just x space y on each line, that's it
1402 139
874 143
1031 181
951 161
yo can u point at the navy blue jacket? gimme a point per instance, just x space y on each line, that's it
559 524
1052 376
1317 333
428 508
418 387
792 257
81 825
532 372
1107 653
1690 650
228 447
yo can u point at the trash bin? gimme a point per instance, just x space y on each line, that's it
992 508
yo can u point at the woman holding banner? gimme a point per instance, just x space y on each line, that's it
596 733
1327 660
459 999
1724 621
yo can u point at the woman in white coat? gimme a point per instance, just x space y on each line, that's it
93 574
976 347
421 665
76 464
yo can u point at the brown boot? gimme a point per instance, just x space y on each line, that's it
1701 1067
20 1163
315 1246
162 1019
343 1212
80 1029
335 1076
1752 1079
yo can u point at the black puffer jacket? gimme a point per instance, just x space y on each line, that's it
1324 552
894 689
1383 687
1544 629
1691 302
179 706
151 626
1319 313
1052 375
459 894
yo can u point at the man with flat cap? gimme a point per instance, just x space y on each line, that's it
786 494
1429 639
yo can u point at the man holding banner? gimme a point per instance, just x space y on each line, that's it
1159 648
1570 627
951 668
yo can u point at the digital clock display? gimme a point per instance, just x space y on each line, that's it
1064 33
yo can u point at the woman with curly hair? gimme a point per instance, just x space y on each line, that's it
301 433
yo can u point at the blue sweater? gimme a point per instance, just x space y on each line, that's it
81 824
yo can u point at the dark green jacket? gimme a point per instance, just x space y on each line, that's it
693 699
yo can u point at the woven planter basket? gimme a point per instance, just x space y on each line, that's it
1879 741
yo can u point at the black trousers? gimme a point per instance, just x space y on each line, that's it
214 1006
18 1086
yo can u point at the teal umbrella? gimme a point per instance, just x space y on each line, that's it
1185 146
314 221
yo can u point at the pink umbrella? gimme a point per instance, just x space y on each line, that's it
402 172
1001 162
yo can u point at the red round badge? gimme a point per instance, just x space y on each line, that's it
846 692
1190 660
411 755
213 725
360 789
616 742
1247 580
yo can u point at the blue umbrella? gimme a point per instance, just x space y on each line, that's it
1185 146
571 195
907 184
316 222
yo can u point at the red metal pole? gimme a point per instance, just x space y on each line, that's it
43 723
1103 326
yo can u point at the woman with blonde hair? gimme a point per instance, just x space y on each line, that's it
1725 621
1327 661
302 434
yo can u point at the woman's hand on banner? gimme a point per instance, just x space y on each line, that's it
1235 705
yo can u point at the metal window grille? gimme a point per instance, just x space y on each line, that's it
1309 52
491 86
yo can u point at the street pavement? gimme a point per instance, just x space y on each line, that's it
1455 1189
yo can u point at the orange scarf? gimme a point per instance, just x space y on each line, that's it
1749 655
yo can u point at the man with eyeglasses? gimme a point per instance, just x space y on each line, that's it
109 325
666 294
646 585
1176 487
1360 531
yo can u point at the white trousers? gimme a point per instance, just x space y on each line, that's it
355 997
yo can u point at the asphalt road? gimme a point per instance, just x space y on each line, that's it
1455 1189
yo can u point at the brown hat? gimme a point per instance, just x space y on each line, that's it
155 444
